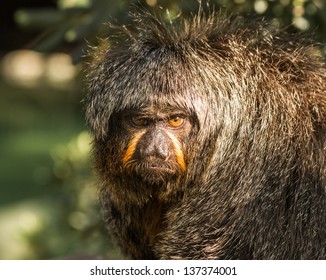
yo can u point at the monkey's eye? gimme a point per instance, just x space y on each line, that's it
140 121
176 121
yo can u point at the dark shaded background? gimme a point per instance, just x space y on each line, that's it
48 206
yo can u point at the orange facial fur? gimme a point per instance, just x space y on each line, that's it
178 151
131 147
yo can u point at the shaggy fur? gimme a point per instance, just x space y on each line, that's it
254 187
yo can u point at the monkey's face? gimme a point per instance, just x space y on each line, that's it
155 149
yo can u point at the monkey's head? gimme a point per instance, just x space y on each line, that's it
151 110
145 116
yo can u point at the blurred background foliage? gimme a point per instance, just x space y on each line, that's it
48 204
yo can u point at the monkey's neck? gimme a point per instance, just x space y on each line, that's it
135 227
136 220
151 220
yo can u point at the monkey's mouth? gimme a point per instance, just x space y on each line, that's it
153 170
156 174
161 169
157 167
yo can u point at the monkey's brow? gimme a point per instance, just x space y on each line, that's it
155 114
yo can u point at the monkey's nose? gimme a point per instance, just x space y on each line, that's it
162 150
156 145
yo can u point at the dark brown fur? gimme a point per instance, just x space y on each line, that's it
255 182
